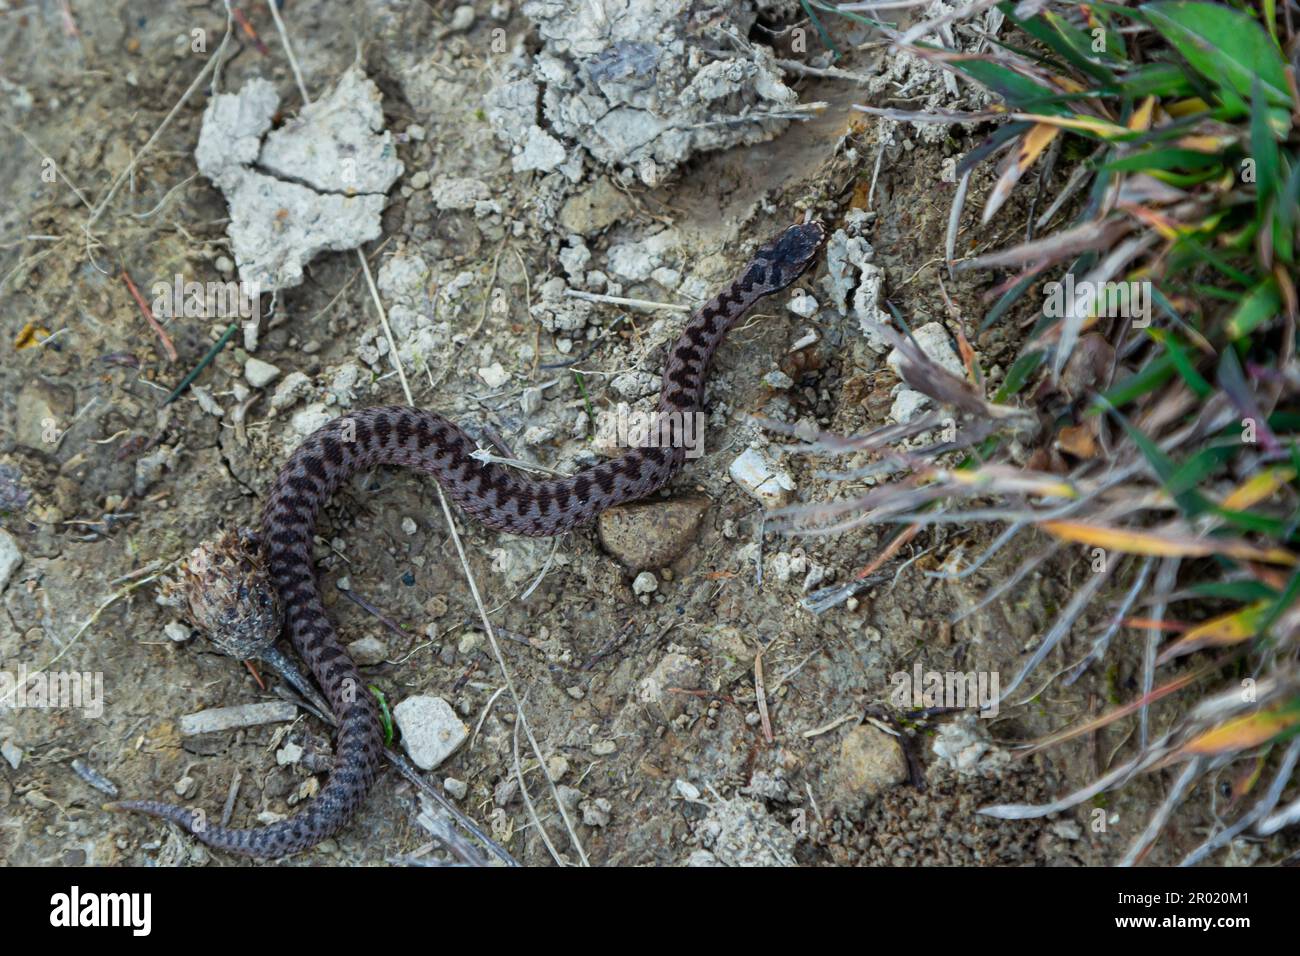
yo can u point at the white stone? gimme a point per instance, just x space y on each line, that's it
10 557
645 583
778 380
409 526
176 631
494 375
431 730
260 374
292 387
762 478
802 304
933 340
907 405
12 753
368 651
290 753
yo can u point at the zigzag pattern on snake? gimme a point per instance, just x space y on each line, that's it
496 496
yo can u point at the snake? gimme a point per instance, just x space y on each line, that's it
490 492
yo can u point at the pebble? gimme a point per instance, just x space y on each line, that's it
870 760
368 651
230 718
259 374
907 405
462 18
456 789
12 753
186 787
289 754
10 557
778 380
603 748
531 400
431 731
762 479
802 304
645 583
409 526
494 375
686 790
292 387
420 180
651 534
595 813
933 340
176 631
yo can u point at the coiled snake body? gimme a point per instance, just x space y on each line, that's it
398 435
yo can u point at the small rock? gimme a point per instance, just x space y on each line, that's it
176 631
870 760
12 753
292 387
686 790
531 400
259 374
907 405
802 304
289 754
369 650
431 731
657 692
595 813
494 375
186 787
462 18
933 340
778 380
409 526
10 557
603 748
645 583
651 534
762 479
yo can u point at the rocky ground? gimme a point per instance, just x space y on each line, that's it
519 152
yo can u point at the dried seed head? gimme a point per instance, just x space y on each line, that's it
224 590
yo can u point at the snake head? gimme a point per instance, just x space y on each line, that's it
225 591
784 259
